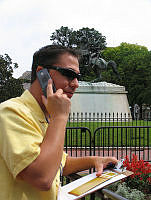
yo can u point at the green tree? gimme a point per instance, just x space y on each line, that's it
90 39
63 36
87 41
134 66
9 86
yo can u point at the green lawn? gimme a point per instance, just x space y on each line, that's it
108 136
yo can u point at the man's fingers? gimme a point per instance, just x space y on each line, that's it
102 162
59 92
49 88
99 170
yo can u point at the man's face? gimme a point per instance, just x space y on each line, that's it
67 85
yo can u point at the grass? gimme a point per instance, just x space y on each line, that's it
111 137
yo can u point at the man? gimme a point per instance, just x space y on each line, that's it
32 131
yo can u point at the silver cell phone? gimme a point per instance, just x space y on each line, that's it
43 77
118 167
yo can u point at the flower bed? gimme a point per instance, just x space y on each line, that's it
138 185
141 179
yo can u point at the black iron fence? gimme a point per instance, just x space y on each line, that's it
96 120
78 141
118 141
100 117
105 135
122 141
111 116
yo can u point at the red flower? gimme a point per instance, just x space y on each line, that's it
149 179
142 173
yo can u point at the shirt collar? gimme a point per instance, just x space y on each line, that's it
33 105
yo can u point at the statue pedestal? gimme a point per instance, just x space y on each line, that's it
101 97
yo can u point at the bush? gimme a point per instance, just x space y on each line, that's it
127 192
141 179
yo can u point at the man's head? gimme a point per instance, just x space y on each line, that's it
62 64
49 55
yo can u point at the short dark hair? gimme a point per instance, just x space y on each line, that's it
48 55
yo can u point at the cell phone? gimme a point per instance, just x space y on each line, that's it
43 77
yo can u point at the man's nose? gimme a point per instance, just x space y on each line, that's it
74 83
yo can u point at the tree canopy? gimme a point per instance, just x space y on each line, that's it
134 66
9 86
90 38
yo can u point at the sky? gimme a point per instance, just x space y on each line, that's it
26 25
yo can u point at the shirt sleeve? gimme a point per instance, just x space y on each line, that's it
64 157
20 139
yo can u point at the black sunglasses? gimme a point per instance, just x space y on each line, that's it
69 73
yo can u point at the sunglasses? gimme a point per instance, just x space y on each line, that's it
69 73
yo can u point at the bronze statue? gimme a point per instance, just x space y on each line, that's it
98 64
91 57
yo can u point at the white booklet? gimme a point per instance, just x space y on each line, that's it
90 183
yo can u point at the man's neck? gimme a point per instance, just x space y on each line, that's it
36 92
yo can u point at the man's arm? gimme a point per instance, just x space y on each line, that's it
41 172
74 164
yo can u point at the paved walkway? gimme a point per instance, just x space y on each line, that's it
119 153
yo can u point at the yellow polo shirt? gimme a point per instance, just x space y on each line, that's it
22 129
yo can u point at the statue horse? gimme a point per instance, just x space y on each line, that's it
98 64
91 58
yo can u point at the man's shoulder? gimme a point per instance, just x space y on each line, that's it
10 102
25 106
13 104
7 103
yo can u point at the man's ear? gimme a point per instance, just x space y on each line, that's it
39 68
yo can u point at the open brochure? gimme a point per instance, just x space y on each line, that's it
90 183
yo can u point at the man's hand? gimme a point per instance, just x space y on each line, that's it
102 162
57 104
77 164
